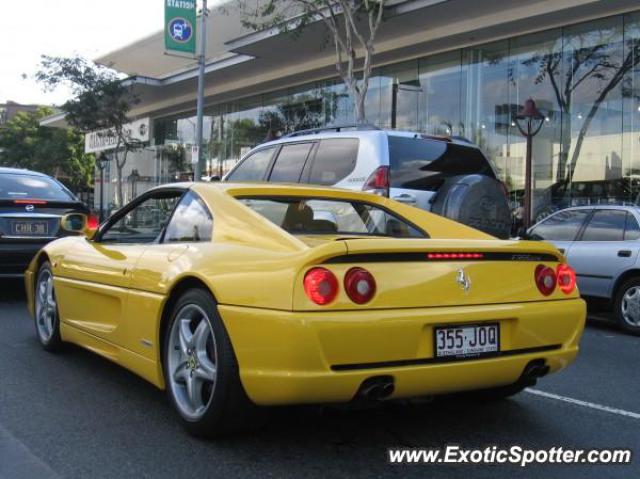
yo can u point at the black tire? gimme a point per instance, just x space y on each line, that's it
228 408
619 305
47 333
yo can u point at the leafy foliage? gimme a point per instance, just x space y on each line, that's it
101 101
352 26
58 152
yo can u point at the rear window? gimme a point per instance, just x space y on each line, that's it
17 186
334 160
318 216
420 164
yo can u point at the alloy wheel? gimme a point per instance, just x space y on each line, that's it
46 307
630 306
192 361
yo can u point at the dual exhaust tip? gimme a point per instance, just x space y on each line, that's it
378 388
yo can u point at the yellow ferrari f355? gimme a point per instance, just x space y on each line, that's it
235 295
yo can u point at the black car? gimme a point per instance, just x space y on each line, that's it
31 207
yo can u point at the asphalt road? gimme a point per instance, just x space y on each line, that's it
77 415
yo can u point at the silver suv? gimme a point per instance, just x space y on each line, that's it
448 176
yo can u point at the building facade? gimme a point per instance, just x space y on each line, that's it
443 67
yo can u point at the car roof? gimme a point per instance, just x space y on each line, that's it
601 207
362 134
20 171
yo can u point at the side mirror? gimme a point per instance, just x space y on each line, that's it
80 224
214 178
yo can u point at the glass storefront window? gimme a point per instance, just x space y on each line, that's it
442 94
534 72
584 78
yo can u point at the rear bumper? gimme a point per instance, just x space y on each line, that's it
317 357
15 257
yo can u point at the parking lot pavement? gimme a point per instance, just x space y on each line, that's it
77 415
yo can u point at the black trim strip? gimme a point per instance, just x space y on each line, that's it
418 257
446 359
596 276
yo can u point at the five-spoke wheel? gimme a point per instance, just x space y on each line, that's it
46 309
200 368
192 361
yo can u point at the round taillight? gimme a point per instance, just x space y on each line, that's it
545 279
566 278
359 285
320 285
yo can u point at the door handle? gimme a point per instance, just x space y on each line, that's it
405 198
624 253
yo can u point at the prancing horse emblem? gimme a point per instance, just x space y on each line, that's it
463 280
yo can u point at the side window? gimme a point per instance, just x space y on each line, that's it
254 167
631 230
191 221
334 160
605 225
144 222
291 160
562 226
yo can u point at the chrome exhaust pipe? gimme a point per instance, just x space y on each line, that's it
376 388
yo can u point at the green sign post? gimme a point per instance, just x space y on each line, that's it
180 25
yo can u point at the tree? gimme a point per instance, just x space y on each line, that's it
58 152
351 24
589 61
101 102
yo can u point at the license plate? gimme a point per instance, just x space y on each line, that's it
467 341
29 228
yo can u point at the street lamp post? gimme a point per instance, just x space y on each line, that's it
102 161
529 121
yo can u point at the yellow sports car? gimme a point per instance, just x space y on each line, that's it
235 295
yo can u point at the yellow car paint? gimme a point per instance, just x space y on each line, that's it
112 299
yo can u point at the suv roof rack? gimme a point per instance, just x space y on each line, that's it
336 128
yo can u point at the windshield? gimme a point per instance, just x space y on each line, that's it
317 216
17 186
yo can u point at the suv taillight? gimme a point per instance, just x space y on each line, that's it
378 182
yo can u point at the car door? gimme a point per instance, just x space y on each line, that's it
190 225
94 279
561 228
601 252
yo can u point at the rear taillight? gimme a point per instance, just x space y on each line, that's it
93 222
320 285
545 279
566 278
359 285
378 181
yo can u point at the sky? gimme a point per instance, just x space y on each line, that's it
90 28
